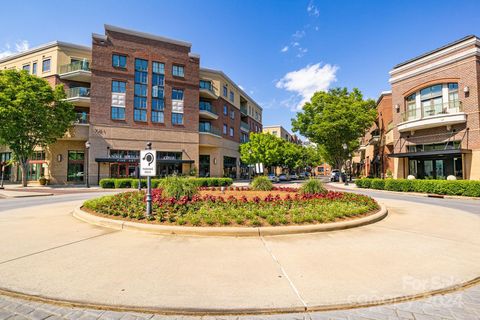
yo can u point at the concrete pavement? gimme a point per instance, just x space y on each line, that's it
418 248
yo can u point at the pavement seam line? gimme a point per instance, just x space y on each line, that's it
284 272
57 247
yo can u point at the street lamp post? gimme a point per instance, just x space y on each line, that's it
87 147
345 148
1 181
149 188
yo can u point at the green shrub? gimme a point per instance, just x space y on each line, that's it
123 183
378 184
468 188
261 183
107 183
312 186
178 187
135 183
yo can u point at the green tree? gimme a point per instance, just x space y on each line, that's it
32 114
263 148
293 155
334 118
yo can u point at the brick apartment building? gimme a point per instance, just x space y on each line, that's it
373 158
436 115
131 88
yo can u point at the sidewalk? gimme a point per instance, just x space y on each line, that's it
17 191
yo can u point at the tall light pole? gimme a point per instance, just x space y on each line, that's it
345 148
149 188
87 147
3 172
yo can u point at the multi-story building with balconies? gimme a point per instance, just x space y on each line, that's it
131 88
436 115
58 63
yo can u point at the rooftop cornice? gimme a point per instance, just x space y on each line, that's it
147 36
45 47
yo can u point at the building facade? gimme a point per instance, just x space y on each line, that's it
131 88
373 158
436 113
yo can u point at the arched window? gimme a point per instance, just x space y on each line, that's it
433 100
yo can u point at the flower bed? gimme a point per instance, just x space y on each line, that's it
236 207
120 183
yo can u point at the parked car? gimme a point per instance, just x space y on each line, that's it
283 177
303 175
335 175
294 176
273 177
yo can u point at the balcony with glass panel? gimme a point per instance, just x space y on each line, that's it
79 96
245 127
433 115
76 71
80 128
243 110
207 111
206 90
207 128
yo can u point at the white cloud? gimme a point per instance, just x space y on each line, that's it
284 49
299 34
20 46
301 52
312 9
305 82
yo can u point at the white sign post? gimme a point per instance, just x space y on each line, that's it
148 168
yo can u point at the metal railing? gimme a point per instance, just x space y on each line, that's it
207 106
433 110
74 66
244 125
210 129
77 92
82 118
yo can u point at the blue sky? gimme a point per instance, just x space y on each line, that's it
278 51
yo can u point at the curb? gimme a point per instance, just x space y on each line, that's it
238 311
418 194
227 231
26 196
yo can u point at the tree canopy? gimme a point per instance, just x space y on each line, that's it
334 118
32 114
273 151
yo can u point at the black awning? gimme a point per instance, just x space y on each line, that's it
134 160
433 153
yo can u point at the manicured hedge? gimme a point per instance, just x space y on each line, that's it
119 183
469 188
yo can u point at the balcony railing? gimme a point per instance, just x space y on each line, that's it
210 129
244 110
205 106
82 118
244 125
433 110
207 85
75 66
78 92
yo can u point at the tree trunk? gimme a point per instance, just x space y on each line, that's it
24 167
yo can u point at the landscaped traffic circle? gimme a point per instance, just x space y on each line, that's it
236 208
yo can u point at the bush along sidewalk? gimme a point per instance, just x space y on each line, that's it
121 183
468 188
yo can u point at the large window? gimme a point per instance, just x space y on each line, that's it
225 91
177 118
178 71
119 61
177 94
158 89
177 106
26 67
432 100
232 96
118 99
46 65
75 171
34 68
140 91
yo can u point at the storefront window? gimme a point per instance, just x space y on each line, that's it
230 167
204 166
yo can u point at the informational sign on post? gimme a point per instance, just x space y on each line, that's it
148 163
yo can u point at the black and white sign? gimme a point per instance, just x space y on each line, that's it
148 163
